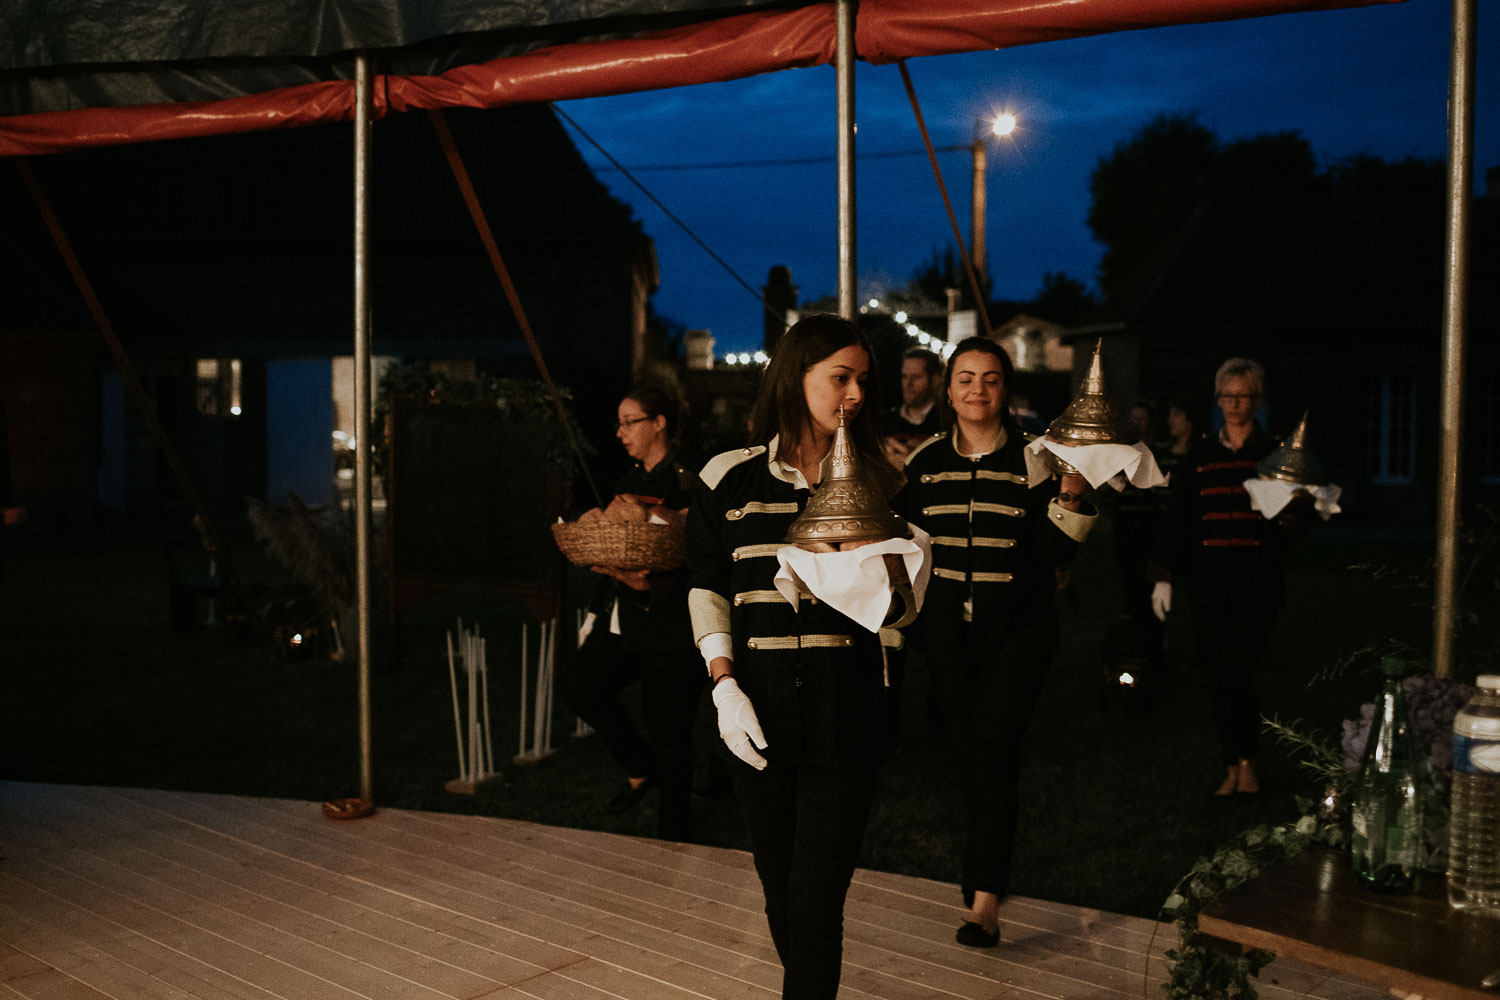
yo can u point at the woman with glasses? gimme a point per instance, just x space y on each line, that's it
638 629
1234 562
801 691
988 626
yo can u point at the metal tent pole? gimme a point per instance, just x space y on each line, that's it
976 216
362 456
844 12
1455 317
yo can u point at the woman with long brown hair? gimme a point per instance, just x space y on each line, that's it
801 691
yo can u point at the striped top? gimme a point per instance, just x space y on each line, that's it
996 542
1210 534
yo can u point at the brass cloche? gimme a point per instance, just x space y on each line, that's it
1091 418
1292 462
845 508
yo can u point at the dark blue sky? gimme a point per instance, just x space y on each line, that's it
1366 80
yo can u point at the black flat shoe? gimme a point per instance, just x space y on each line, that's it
972 935
629 798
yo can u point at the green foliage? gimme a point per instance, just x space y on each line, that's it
1203 971
1200 970
522 397
1151 185
1320 758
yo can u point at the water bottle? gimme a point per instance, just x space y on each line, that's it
1387 810
1474 828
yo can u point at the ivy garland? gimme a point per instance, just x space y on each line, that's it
1201 970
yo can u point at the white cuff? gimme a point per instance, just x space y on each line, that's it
715 645
1073 523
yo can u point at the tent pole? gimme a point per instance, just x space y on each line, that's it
1455 291
362 456
843 61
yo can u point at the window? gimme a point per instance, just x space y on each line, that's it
1392 429
218 387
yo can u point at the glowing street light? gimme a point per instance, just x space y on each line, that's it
1003 125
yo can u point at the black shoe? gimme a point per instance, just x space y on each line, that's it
629 798
973 935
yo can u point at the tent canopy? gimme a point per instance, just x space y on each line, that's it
104 72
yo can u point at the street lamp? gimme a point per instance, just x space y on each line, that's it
1003 124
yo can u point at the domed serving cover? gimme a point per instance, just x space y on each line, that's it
1091 418
1292 462
845 508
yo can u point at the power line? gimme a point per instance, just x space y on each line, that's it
798 161
657 202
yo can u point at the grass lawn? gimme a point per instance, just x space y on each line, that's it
1116 803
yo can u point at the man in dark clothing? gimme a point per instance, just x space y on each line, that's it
906 426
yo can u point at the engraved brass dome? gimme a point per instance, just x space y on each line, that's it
1091 418
845 508
1292 462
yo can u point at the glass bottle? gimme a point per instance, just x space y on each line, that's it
1387 812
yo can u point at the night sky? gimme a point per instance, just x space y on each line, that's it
1370 80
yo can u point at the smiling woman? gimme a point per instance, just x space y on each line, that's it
989 627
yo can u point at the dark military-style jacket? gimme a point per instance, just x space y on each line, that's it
997 542
1228 551
815 677
655 619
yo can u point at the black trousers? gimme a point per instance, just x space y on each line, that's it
987 707
1132 541
806 825
672 685
1228 641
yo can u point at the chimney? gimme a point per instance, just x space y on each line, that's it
698 348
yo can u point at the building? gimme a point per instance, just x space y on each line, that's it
225 265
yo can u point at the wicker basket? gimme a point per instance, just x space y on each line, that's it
626 544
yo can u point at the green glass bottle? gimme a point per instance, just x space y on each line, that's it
1387 808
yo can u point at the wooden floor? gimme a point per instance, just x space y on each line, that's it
110 892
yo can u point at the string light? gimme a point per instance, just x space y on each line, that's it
933 343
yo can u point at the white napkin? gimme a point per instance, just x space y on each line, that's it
855 582
1098 462
1269 496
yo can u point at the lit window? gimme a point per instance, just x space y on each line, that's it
218 386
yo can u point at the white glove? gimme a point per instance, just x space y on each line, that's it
738 726
1161 600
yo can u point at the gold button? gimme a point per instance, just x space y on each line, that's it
734 515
